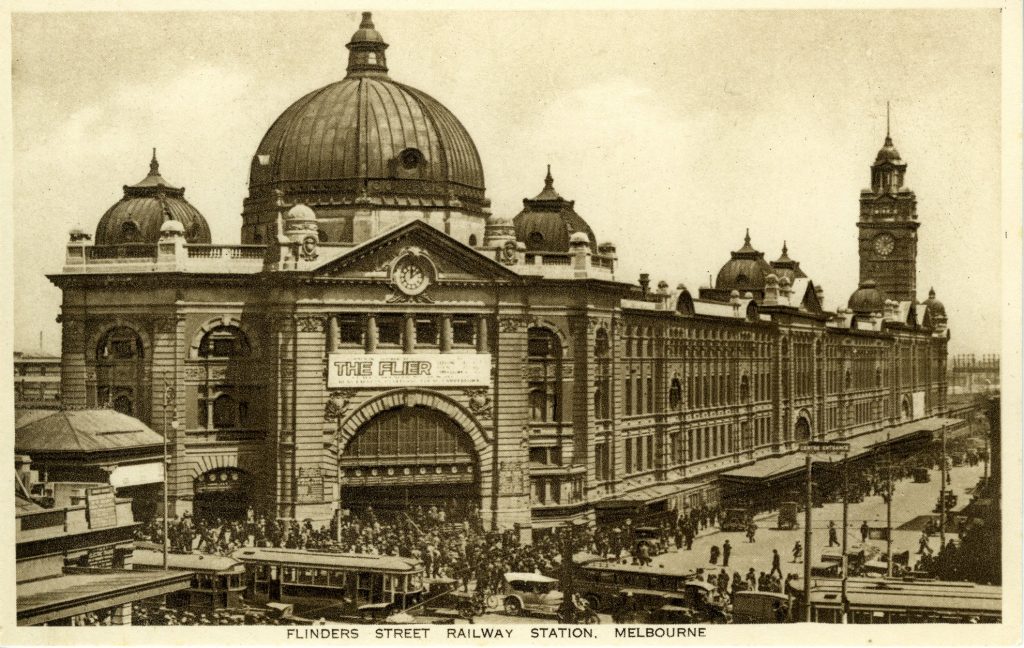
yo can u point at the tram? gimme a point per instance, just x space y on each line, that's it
893 600
332 585
217 581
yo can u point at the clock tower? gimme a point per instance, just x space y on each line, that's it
888 227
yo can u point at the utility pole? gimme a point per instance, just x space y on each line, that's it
888 508
846 511
807 544
942 495
168 391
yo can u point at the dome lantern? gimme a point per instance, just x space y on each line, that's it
366 49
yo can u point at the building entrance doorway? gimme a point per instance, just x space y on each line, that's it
222 493
410 457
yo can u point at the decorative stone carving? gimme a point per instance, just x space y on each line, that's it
338 404
310 324
194 373
479 402
308 249
507 254
515 323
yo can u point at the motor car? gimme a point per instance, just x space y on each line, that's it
529 593
921 475
735 519
760 607
788 516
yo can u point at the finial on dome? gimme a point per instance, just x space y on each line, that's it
746 238
785 250
154 166
931 293
549 182
366 49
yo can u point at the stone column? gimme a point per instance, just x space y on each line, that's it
481 335
333 334
409 339
446 333
371 333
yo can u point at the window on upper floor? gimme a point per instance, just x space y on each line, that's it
224 342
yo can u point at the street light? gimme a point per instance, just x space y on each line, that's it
168 396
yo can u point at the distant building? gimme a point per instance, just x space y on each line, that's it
36 380
971 374
74 544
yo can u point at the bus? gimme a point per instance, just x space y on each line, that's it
332 585
601 584
217 581
894 600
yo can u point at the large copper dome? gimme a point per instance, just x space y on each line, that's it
368 135
145 207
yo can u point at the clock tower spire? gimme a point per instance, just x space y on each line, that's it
888 226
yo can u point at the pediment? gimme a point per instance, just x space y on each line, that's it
443 257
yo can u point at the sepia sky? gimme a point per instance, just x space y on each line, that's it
672 131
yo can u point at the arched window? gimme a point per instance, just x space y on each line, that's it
224 342
675 394
226 408
744 388
472 240
322 235
803 429
225 412
120 343
878 377
544 359
123 403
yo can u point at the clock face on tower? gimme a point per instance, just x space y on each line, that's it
884 244
411 276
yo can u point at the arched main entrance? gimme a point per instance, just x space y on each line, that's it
221 493
410 456
802 431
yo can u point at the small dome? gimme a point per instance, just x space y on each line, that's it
888 153
139 216
300 212
787 267
579 238
867 299
172 226
746 270
548 221
933 307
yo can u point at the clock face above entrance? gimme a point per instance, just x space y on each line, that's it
411 275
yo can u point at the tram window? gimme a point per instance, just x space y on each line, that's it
337 578
222 582
289 575
306 576
606 577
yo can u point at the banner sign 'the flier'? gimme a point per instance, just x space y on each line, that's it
349 370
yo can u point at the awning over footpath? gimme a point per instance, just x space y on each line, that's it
775 468
60 597
652 493
80 431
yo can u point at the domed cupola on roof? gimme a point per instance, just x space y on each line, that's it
889 170
367 153
145 207
786 267
867 299
745 271
548 221
935 311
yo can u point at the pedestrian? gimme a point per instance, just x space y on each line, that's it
833 536
864 529
923 547
751 580
726 550
714 554
762 582
798 551
751 531
776 563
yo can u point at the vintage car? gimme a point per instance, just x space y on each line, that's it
921 475
951 500
443 598
526 592
788 516
735 519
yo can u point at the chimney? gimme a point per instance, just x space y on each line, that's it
645 283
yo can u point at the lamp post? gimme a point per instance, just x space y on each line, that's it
942 494
846 510
168 395
888 507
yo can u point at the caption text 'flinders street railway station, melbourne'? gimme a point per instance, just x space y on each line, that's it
381 338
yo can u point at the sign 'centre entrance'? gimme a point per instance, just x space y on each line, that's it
408 370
